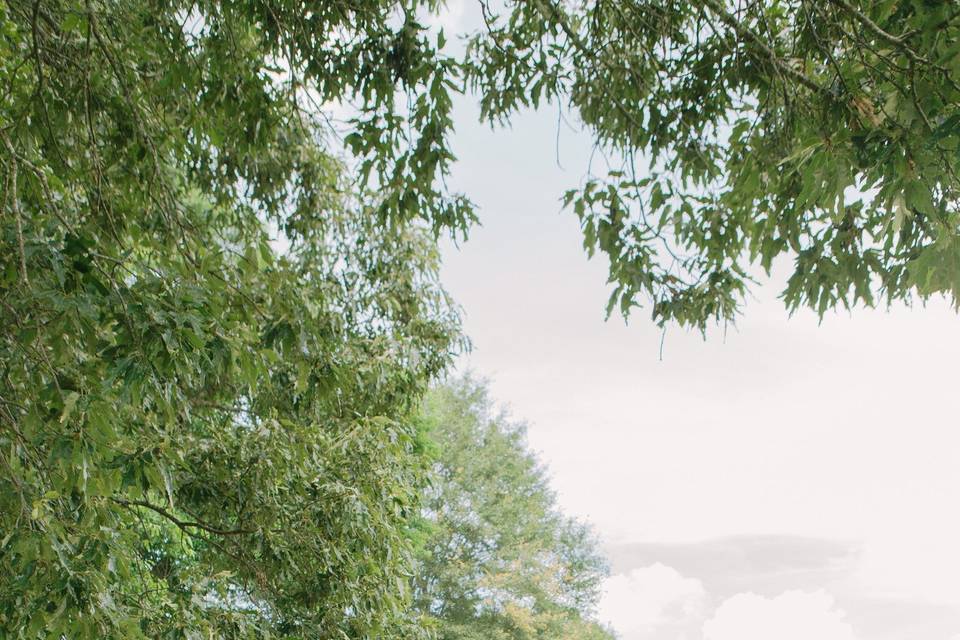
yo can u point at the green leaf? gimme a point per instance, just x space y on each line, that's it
69 404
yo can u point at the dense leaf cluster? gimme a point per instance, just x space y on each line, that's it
211 340
823 130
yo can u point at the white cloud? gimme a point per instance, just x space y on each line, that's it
648 600
793 615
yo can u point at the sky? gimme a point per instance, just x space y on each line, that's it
782 478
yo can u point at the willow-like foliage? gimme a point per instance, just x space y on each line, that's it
211 335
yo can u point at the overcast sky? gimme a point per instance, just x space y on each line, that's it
780 479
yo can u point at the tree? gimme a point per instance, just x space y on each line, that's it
497 559
212 338
823 130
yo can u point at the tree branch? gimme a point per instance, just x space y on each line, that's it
749 36
177 521
15 206
875 29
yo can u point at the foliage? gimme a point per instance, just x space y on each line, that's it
205 432
497 559
215 328
823 130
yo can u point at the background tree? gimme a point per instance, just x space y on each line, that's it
497 560
822 130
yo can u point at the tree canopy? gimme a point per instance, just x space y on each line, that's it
497 560
822 132
826 131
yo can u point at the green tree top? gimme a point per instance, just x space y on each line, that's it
497 559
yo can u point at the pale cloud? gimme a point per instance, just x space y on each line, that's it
764 564
793 615
914 557
646 602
